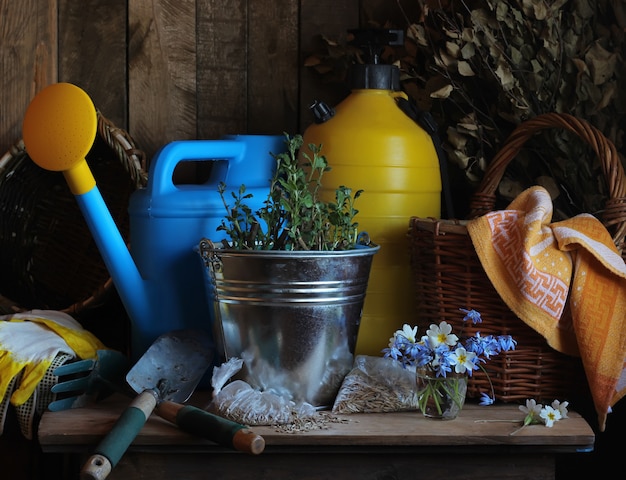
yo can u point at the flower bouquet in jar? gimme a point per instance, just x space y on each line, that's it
443 361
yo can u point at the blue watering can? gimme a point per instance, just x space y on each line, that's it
160 280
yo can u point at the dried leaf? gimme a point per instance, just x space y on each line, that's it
601 63
608 92
465 69
516 56
453 49
539 8
312 61
510 188
330 41
451 33
585 9
468 51
581 66
550 185
323 68
459 158
445 60
480 19
442 92
455 139
467 35
502 10
505 75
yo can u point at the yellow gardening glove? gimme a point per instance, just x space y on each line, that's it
29 343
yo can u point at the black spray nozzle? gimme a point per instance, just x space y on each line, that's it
321 111
373 41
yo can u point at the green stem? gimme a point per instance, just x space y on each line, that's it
436 390
493 393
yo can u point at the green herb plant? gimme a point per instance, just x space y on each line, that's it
293 217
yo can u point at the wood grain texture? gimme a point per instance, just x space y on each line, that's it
475 425
316 465
222 67
28 60
162 72
392 446
273 67
92 53
167 70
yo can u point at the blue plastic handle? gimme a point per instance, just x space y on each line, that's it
160 177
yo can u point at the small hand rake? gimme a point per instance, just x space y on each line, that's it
89 381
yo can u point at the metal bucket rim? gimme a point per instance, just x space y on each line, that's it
363 250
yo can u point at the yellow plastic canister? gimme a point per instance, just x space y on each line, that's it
371 144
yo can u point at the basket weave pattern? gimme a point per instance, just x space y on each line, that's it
448 275
48 258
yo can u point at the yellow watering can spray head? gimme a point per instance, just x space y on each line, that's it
59 129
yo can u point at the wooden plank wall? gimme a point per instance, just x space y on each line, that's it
172 69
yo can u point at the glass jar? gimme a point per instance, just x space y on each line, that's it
440 397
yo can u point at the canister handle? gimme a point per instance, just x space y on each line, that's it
160 177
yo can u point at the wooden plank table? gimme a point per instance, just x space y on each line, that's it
478 444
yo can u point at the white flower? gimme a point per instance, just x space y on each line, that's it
532 407
532 411
441 334
561 407
462 360
550 415
407 332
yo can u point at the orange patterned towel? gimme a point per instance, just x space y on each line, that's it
535 265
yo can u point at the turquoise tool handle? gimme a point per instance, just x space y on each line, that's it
212 427
110 450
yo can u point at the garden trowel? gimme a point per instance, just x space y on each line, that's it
166 375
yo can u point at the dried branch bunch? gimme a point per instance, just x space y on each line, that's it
483 66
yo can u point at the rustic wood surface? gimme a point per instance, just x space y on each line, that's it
92 52
330 466
28 53
475 426
169 70
478 444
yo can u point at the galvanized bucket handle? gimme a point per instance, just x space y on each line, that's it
207 250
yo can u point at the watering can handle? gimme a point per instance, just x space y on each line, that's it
160 177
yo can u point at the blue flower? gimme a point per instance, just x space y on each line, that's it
475 344
507 342
441 350
472 315
491 347
393 351
486 399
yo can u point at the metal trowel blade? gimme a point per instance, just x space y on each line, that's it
173 365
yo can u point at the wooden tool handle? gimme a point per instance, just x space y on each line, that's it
212 427
112 447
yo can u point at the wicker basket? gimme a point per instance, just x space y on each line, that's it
448 275
48 258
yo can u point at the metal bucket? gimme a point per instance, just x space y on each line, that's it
293 317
